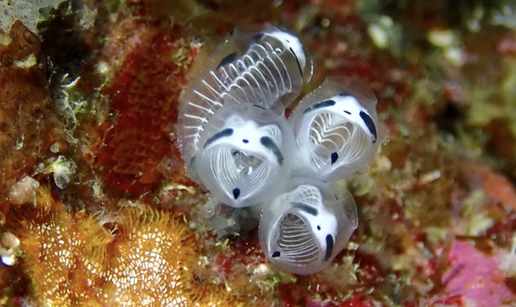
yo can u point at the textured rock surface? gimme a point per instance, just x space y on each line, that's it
94 105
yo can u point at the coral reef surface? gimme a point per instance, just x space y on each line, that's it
96 208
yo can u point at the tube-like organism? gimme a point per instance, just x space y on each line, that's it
273 62
245 157
306 226
336 129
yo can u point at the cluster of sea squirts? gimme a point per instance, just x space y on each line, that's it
237 142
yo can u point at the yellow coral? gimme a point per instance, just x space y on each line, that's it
142 260
151 253
50 246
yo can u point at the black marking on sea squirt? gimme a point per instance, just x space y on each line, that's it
276 254
329 247
322 104
334 157
192 161
344 94
236 193
224 133
230 58
369 123
284 73
297 61
268 143
306 208
258 36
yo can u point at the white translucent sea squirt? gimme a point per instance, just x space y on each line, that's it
246 154
304 228
336 129
271 61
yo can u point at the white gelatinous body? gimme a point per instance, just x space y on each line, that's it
336 129
235 140
304 228
243 157
272 62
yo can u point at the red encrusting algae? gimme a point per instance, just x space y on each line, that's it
136 143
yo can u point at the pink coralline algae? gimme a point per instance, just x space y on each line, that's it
476 277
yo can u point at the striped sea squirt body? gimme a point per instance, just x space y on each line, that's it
273 63
336 129
244 157
304 228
